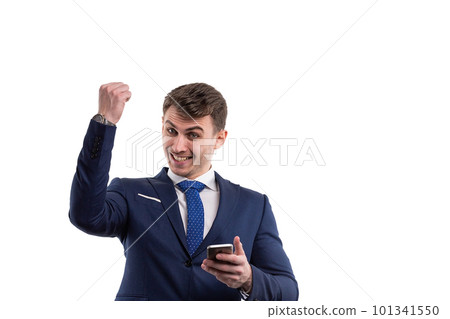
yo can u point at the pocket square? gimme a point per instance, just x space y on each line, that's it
149 197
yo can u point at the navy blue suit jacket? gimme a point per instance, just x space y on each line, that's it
144 214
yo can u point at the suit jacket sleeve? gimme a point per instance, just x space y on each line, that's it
273 278
94 208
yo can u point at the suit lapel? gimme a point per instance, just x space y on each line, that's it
229 195
163 186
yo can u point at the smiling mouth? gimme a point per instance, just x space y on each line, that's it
180 158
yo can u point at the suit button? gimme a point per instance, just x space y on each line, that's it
188 263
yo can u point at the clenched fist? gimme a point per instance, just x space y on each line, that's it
111 100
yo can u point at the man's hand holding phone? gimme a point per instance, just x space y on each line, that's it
231 269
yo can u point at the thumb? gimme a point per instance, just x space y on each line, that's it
238 247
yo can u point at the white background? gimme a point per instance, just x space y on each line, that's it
367 81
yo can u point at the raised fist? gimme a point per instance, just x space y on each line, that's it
111 100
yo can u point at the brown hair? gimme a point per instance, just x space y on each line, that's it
197 100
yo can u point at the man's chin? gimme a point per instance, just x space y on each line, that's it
180 171
189 172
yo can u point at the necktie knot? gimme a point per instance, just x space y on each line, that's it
187 185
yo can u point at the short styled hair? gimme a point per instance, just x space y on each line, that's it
198 100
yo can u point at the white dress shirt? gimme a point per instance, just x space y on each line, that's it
210 197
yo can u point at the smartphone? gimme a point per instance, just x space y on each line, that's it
213 250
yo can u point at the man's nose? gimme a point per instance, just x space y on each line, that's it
179 144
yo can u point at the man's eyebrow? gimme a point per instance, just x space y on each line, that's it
193 128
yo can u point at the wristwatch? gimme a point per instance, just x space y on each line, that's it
102 120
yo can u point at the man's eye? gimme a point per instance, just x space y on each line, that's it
193 135
171 131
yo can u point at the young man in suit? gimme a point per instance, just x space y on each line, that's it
165 223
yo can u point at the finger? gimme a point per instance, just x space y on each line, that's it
118 90
238 247
125 96
224 267
122 88
219 265
110 86
229 258
222 276
213 271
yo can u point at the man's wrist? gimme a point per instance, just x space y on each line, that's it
100 118
247 286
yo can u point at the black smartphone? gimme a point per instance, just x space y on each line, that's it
213 250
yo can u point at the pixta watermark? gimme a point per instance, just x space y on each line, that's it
145 151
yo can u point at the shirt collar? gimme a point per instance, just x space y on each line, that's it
209 178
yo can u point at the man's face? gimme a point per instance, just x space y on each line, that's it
189 144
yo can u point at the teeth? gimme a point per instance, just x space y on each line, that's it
180 158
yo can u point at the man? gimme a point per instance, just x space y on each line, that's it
165 223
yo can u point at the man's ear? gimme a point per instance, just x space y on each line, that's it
220 140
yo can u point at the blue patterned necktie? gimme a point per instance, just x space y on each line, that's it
194 235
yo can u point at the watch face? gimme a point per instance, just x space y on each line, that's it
98 118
